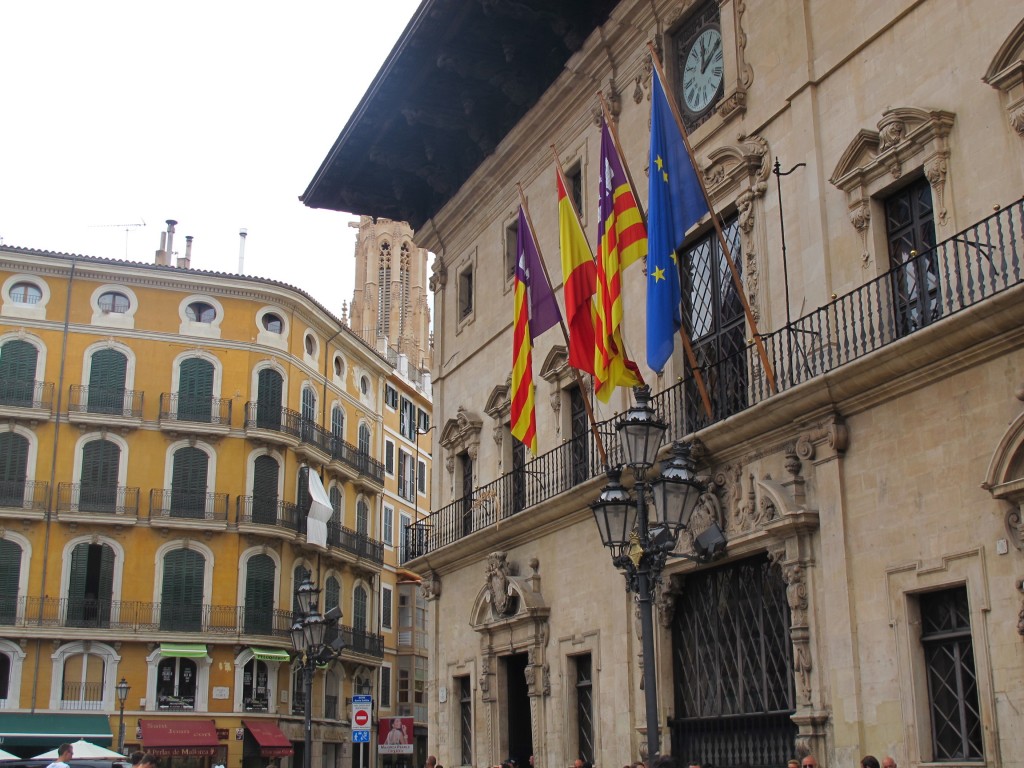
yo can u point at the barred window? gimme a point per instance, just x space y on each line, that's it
584 707
465 719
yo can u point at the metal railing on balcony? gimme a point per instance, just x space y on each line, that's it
167 503
962 271
358 544
267 510
19 393
195 409
24 494
81 696
272 417
357 640
107 401
131 616
98 499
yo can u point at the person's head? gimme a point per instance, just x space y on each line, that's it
888 762
65 752
869 761
136 757
149 761
793 763
669 761
531 761
809 761
431 761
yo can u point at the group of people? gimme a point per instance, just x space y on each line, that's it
868 761
668 761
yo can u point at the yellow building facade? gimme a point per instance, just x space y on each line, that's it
159 427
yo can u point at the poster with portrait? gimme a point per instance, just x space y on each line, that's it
394 736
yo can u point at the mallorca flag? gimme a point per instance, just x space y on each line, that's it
622 240
675 203
535 312
579 279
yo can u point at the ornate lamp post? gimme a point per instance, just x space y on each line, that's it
641 544
308 633
122 689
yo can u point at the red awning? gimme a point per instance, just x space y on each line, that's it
272 741
174 738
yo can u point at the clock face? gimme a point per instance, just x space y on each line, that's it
703 71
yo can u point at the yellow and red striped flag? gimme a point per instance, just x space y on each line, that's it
579 280
622 240
535 311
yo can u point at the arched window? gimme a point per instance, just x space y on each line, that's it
359 608
403 298
18 361
335 494
10 579
181 598
259 595
362 517
114 301
25 293
274 324
384 290
82 683
189 482
201 312
195 390
13 469
107 371
364 439
264 490
269 388
101 461
308 404
90 585
176 685
5 676
332 689
255 686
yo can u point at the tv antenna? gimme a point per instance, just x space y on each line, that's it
126 227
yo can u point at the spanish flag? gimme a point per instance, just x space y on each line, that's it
579 281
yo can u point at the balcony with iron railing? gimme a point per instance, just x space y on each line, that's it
169 508
359 545
273 424
83 502
113 406
970 270
23 498
194 414
133 617
81 696
358 642
25 400
268 515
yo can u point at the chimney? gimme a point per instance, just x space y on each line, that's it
183 263
241 250
161 254
170 239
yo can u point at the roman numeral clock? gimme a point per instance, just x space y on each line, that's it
701 65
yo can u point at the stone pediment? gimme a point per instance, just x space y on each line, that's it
1005 476
463 428
507 597
498 403
555 364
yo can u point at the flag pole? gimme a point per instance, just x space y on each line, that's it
561 324
691 358
758 342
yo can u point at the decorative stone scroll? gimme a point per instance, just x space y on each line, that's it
1006 74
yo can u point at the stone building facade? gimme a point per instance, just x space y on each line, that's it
868 478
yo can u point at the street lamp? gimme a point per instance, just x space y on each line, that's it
641 545
309 633
122 689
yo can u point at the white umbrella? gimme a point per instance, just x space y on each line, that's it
85 750
8 756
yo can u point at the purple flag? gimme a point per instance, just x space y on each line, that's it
544 312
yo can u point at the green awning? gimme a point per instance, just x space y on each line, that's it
271 654
183 650
22 729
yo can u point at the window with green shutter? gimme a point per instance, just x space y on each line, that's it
269 388
195 390
264 490
362 517
189 482
359 609
90 585
18 373
332 599
107 374
181 597
13 469
100 464
299 575
303 500
10 577
259 595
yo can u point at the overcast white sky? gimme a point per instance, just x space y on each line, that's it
215 113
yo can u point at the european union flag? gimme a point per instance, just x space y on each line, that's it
676 203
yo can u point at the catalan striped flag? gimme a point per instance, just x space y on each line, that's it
622 239
579 280
535 311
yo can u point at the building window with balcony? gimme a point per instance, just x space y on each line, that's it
362 517
387 525
334 526
18 361
14 450
183 591
82 681
90 585
113 301
338 422
10 580
258 608
269 392
189 482
308 412
98 480
910 231
201 312
176 685
464 726
364 439
303 498
195 390
108 369
359 609
264 510
385 606
25 292
406 476
404 521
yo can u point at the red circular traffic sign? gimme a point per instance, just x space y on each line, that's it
362 718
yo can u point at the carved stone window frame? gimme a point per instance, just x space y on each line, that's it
877 161
578 644
499 408
460 434
556 371
1006 74
1004 479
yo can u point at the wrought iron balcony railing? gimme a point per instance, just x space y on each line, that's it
357 543
267 510
107 401
272 417
195 409
18 393
136 617
167 503
24 494
98 499
357 640
969 268
81 696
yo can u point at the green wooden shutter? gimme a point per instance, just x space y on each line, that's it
18 373
13 469
181 599
10 577
269 388
107 374
76 584
259 595
189 483
100 460
195 390
264 490
105 591
303 499
359 609
299 575
362 517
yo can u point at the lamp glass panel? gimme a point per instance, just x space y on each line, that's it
297 636
314 629
306 595
674 502
641 440
615 520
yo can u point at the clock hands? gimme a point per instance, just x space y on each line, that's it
704 62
